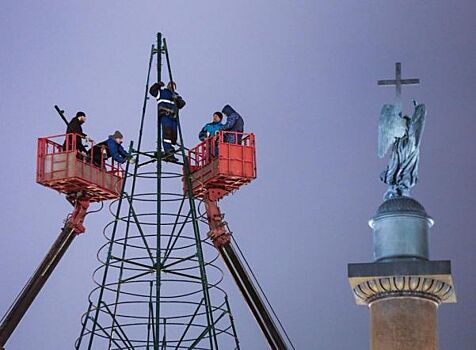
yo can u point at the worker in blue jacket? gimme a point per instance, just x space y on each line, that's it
111 148
234 122
169 102
212 128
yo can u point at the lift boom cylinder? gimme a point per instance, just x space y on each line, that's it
71 229
221 238
34 285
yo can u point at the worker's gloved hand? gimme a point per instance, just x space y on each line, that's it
132 160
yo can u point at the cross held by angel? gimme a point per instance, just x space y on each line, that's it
402 135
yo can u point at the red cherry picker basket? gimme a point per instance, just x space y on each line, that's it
83 178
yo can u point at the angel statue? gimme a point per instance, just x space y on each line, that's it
403 133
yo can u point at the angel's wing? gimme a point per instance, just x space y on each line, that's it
390 126
417 123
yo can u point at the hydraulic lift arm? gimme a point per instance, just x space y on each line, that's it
72 227
222 241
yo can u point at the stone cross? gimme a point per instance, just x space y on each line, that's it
398 82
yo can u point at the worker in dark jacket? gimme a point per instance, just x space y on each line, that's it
111 148
169 102
234 122
212 128
75 126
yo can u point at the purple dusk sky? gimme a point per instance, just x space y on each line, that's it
303 75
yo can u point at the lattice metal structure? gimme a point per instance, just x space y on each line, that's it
154 287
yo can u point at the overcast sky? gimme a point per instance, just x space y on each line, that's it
303 75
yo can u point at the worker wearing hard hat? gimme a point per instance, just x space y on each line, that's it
169 102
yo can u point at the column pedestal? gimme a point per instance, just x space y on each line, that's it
402 287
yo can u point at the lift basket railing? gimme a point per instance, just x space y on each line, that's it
67 169
231 143
224 162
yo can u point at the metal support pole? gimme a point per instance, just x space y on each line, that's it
108 261
83 328
232 321
16 312
193 211
133 185
159 200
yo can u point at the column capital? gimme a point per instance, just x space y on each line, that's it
424 279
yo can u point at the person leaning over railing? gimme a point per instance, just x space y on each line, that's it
111 148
